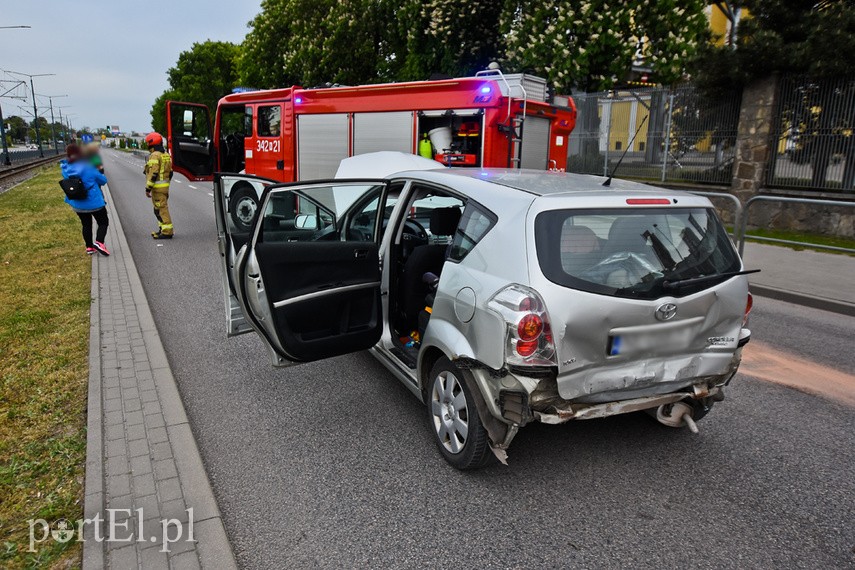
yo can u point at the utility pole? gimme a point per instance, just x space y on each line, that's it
35 109
52 131
6 160
62 123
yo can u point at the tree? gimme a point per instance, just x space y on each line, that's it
593 45
449 37
813 44
203 74
17 127
310 43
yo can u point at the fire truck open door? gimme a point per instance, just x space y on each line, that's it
190 140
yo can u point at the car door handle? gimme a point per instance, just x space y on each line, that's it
360 254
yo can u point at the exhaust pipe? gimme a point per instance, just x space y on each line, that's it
677 415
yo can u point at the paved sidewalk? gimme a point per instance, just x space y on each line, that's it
811 278
140 451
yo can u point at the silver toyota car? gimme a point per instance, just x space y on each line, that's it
498 297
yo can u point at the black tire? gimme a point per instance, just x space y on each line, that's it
243 206
474 449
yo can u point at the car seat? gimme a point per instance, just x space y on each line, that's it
425 259
627 235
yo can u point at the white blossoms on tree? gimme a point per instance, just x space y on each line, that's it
589 45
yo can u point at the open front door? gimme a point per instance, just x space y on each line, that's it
190 140
236 199
309 279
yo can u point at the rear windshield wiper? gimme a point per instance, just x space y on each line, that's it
694 280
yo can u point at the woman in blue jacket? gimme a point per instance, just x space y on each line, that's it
93 206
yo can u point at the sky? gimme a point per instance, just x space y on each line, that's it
109 56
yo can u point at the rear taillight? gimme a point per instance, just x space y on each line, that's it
528 336
530 327
749 304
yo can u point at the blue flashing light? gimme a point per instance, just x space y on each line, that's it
486 89
485 174
298 100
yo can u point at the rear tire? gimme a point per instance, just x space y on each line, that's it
453 418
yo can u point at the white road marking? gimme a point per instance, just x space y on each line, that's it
176 180
210 193
191 186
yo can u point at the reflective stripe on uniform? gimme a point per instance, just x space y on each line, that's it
161 184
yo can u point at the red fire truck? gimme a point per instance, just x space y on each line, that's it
489 120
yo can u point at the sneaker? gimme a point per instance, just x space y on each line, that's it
90 251
102 249
160 235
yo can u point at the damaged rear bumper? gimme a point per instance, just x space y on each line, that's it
561 414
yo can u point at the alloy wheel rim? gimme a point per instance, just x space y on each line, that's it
449 412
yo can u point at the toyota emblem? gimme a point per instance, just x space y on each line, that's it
666 311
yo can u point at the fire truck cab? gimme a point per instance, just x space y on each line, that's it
490 120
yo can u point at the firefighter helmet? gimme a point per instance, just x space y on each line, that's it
153 139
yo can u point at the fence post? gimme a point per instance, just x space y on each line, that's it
667 137
608 134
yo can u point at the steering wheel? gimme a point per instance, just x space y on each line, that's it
414 233
231 143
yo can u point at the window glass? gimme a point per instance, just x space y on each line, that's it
421 211
474 225
269 121
247 121
316 213
190 122
363 222
633 252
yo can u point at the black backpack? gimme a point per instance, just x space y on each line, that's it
74 188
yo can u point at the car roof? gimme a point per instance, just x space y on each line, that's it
491 184
543 182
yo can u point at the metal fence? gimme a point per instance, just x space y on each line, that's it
17 156
668 134
813 147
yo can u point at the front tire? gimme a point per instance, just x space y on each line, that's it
243 204
453 418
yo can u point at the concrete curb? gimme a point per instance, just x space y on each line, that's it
812 301
93 501
212 544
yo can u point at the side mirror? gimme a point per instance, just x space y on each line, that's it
306 222
188 122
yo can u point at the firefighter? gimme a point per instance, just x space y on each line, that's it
158 173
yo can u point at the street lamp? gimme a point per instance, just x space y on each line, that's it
35 110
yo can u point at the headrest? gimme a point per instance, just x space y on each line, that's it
443 221
579 239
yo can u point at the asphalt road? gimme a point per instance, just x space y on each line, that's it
331 464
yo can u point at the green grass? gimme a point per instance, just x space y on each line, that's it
44 342
816 239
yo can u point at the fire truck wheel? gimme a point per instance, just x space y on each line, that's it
243 203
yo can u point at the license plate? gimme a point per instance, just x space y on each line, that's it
650 342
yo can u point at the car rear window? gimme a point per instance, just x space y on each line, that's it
633 252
